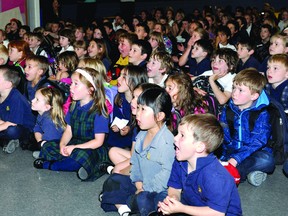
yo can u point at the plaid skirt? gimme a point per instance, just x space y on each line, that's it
89 159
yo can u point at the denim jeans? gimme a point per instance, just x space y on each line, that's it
259 161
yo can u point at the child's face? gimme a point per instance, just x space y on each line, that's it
265 34
26 38
276 73
172 89
145 117
223 39
81 52
32 71
232 28
140 32
151 25
185 145
14 54
79 35
124 47
153 42
219 66
122 82
33 42
135 56
79 91
277 46
243 52
97 34
62 67
54 27
39 103
242 96
154 68
158 28
198 52
136 94
93 49
1 37
64 41
195 36
21 33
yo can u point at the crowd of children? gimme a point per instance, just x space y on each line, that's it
108 98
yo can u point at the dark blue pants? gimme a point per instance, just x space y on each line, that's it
258 161
118 189
15 132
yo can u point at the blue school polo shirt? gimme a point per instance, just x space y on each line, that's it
16 109
209 185
46 127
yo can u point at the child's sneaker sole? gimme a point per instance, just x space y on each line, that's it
256 178
11 146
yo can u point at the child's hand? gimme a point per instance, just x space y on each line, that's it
170 205
139 191
180 47
115 129
200 91
191 42
68 149
124 131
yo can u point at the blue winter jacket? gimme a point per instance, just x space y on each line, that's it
245 142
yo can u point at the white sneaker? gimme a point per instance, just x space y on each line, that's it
11 146
256 178
36 154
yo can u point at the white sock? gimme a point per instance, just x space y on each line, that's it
109 169
124 210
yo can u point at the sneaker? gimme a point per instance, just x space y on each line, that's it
106 167
256 178
38 163
11 146
100 196
82 174
36 154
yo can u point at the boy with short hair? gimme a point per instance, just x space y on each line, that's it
140 52
245 51
223 36
278 45
158 68
35 41
3 54
80 48
277 76
243 147
125 41
200 57
17 120
199 184
142 31
36 67
262 48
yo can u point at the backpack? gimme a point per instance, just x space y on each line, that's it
279 125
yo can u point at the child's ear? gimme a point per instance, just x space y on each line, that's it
144 56
160 116
1 61
200 147
254 96
251 52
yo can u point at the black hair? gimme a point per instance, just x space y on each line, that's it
145 47
158 100
206 46
225 30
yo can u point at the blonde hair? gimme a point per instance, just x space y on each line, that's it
95 64
279 58
251 78
54 98
281 36
206 128
165 60
98 94
3 53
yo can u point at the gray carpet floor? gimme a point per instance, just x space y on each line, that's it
26 191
